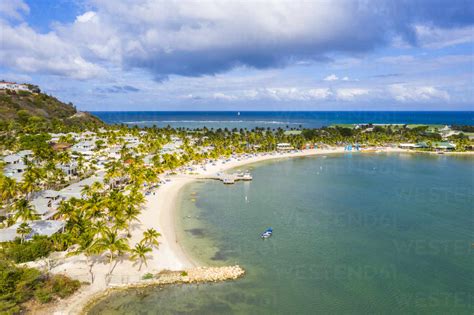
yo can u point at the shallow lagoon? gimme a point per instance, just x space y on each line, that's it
353 234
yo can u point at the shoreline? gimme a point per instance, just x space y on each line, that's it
160 213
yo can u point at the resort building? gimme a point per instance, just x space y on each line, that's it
407 145
15 164
444 146
13 86
284 146
84 147
38 227
12 159
15 171
419 145
68 169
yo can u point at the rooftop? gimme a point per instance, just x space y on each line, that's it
39 227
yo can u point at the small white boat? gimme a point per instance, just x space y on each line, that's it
228 180
247 176
267 233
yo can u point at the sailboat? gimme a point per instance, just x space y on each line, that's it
238 113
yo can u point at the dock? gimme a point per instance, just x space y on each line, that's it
232 178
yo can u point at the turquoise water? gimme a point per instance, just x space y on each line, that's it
353 234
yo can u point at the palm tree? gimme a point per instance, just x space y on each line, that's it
24 229
139 253
29 183
150 237
24 210
94 207
8 190
66 209
89 247
136 197
131 214
112 243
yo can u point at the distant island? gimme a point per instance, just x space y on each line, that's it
80 198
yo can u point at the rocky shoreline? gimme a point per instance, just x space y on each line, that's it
167 277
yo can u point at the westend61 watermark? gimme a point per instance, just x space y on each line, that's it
424 247
450 300
350 218
436 194
339 272
359 168
359 218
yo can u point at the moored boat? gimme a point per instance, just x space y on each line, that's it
267 233
247 176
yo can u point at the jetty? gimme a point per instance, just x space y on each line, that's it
231 178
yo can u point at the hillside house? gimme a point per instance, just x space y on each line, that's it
13 86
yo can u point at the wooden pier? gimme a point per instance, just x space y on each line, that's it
231 178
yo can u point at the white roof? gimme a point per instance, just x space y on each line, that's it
39 227
13 167
49 193
41 205
11 158
74 190
23 153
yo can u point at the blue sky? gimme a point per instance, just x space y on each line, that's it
242 55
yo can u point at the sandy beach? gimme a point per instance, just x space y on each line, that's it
158 213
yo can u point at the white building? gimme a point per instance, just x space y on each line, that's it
15 166
38 227
284 146
12 159
13 86
83 146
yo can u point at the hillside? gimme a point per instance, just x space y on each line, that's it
41 111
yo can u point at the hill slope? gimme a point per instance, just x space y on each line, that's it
24 108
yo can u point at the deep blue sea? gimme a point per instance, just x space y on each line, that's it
286 120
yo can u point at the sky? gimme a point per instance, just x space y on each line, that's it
243 55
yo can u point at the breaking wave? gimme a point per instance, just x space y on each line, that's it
268 122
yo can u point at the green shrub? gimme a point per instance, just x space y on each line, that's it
147 276
184 274
20 284
23 93
38 247
43 295
64 286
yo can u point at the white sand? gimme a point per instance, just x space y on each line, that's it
158 213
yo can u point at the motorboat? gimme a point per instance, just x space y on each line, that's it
247 176
267 233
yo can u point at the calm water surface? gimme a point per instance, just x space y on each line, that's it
275 119
372 234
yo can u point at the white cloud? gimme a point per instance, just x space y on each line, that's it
436 38
14 9
86 17
405 93
274 93
194 38
349 94
24 49
222 96
345 79
319 94
401 59
331 77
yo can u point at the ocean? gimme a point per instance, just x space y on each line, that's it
353 234
286 120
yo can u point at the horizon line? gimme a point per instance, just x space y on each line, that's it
278 111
